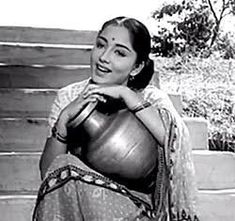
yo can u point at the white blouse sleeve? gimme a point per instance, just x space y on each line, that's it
61 101
158 98
64 96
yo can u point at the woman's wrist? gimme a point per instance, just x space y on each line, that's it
62 122
134 101
140 106
58 136
131 98
60 129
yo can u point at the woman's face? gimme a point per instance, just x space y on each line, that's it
113 57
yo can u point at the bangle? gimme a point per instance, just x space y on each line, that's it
58 136
140 106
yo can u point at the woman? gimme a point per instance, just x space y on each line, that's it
120 69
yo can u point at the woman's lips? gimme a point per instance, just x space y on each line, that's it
103 69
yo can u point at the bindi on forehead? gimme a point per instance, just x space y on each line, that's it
113 39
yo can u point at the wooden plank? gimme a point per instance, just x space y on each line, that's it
29 134
17 207
26 102
22 134
214 169
28 55
21 171
198 130
34 102
217 205
21 76
46 35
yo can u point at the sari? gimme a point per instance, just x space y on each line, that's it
73 191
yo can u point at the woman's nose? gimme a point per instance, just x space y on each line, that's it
105 56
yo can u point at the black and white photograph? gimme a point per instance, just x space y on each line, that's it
117 110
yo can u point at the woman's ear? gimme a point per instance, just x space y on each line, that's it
137 69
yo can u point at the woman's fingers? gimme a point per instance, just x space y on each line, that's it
99 90
75 120
95 97
109 90
89 90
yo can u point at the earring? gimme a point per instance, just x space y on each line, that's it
131 78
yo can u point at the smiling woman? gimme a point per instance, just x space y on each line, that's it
113 59
75 186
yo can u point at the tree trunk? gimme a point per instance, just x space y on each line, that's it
215 34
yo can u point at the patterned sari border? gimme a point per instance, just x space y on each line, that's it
62 175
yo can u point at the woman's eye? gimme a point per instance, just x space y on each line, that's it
120 53
99 44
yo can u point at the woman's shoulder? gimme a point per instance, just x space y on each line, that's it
72 90
151 92
158 98
75 86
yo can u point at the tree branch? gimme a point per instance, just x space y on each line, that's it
213 11
223 10
226 14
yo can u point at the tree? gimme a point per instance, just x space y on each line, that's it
189 25
226 7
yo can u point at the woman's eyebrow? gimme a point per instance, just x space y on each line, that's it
118 45
123 46
103 38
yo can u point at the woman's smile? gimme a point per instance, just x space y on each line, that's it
102 68
113 57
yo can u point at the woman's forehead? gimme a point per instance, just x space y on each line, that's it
118 34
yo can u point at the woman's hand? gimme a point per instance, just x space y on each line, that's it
69 113
148 116
114 91
130 97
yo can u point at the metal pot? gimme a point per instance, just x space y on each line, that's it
115 143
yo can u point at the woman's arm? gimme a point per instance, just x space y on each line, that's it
52 148
148 116
55 146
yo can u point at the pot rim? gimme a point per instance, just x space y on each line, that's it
85 112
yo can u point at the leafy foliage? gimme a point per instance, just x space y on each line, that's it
208 91
225 46
191 26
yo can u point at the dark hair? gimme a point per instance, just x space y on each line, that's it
141 43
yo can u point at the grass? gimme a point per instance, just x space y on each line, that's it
208 90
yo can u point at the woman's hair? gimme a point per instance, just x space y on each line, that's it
141 43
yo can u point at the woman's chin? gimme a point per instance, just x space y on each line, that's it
99 80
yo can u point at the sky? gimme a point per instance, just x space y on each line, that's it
78 14
72 14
